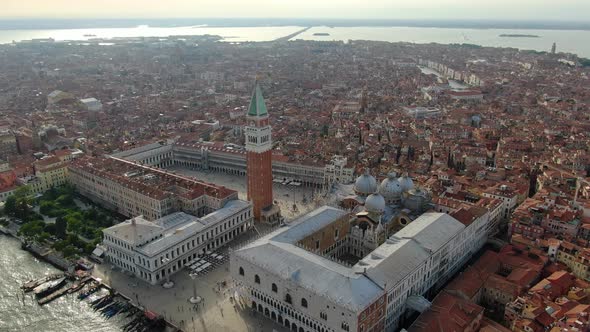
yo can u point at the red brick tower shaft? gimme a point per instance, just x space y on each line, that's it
259 155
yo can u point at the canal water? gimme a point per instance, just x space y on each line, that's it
64 314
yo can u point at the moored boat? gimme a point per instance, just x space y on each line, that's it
32 284
48 287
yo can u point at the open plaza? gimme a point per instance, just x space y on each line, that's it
217 309
304 199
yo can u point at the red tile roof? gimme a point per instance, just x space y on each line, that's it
449 313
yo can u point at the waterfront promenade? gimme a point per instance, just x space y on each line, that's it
216 313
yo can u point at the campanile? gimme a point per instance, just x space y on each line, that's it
259 155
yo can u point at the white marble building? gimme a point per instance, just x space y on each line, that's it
310 292
152 250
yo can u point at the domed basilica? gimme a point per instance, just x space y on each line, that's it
381 210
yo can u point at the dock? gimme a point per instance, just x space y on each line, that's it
55 295
29 285
79 285
74 287
293 35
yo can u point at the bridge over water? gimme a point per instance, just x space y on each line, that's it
294 34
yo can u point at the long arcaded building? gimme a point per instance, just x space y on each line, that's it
132 189
231 159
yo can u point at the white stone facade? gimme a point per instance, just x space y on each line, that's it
415 261
154 250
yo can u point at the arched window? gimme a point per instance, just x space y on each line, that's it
304 303
257 279
241 271
345 326
274 287
288 299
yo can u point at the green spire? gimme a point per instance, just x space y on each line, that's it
257 105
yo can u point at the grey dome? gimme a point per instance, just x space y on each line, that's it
365 184
406 183
390 188
417 200
375 203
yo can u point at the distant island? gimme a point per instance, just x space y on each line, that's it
519 36
321 34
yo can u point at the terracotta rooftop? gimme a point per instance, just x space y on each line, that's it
154 183
448 313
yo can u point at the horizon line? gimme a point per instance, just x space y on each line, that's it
538 20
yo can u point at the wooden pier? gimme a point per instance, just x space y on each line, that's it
57 294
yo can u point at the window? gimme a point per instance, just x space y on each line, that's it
241 271
323 315
317 244
257 279
288 299
274 287
304 303
336 234
345 326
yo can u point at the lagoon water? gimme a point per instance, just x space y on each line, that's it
573 41
66 314
230 34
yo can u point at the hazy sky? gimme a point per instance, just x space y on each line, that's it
401 9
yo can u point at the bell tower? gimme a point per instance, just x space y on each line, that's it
259 155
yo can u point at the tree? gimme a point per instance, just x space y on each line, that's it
23 191
61 226
47 207
74 224
59 245
88 248
451 160
10 205
18 204
23 209
43 237
32 230
324 130
50 194
65 200
70 251
50 229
